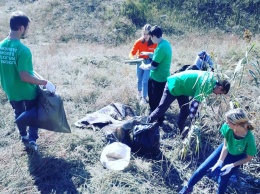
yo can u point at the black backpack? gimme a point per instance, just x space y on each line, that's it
183 68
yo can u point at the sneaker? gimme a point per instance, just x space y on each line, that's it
25 138
33 146
143 101
169 135
186 190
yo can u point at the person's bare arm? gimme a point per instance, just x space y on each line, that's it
26 77
243 161
224 151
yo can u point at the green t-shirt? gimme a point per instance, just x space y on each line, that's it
198 84
163 56
14 58
235 147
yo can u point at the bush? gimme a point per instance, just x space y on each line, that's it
226 15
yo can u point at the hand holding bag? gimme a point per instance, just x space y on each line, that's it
49 113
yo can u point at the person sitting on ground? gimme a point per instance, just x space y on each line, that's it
203 62
160 68
143 44
181 86
238 148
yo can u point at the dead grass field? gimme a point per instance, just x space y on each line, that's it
92 74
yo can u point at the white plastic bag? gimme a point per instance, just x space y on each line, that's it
116 156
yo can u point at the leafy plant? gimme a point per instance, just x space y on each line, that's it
193 140
253 74
226 15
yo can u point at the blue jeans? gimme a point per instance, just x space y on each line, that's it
210 162
165 103
20 107
142 78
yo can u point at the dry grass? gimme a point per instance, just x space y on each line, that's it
89 76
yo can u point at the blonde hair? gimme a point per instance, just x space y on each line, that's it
238 116
147 27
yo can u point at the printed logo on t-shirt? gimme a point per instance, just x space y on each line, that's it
7 55
240 148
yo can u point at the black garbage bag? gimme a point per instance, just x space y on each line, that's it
143 138
49 113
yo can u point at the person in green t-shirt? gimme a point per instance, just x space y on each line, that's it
181 86
238 148
159 68
17 76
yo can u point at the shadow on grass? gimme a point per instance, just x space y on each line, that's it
244 183
167 171
54 175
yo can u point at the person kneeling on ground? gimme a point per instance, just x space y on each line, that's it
238 148
180 86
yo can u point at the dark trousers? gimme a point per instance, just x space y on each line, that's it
20 107
155 92
193 67
165 103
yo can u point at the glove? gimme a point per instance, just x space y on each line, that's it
218 164
50 87
227 169
143 66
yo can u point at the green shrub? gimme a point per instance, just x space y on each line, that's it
137 11
226 15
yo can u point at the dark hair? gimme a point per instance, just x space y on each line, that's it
18 19
225 84
156 31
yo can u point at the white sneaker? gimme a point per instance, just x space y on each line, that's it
169 135
143 101
33 145
25 138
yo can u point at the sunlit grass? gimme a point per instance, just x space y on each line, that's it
92 74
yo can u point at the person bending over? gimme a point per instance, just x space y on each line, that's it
181 86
